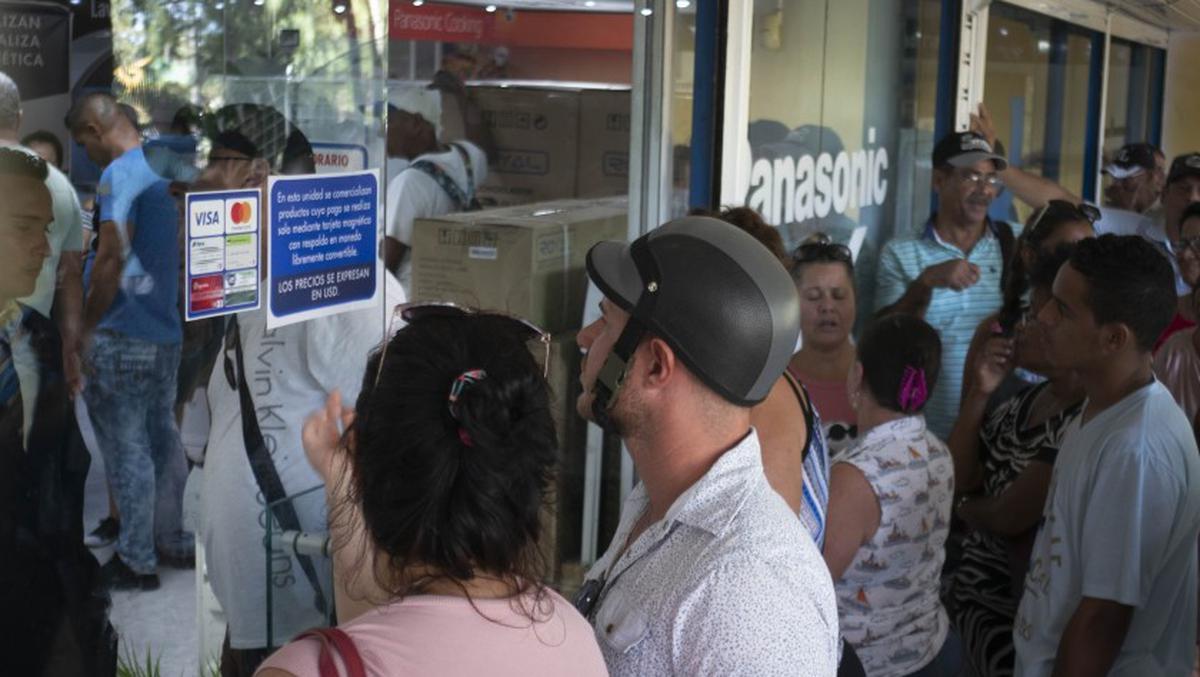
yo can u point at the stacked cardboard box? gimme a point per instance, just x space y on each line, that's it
604 118
526 260
552 141
529 261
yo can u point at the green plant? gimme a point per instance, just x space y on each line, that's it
212 667
130 665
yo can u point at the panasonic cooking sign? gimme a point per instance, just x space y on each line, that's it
796 189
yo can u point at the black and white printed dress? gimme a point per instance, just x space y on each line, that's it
982 596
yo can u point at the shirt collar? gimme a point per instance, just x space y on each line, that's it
1155 230
930 232
12 319
909 426
712 502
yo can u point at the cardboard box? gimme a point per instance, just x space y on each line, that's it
604 119
553 140
536 137
562 519
526 260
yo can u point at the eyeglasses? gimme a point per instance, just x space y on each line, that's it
415 312
976 180
1064 210
1192 243
821 247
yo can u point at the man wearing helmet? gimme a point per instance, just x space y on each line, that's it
709 571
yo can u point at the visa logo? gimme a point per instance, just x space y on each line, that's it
209 218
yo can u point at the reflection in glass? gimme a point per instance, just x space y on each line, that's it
841 130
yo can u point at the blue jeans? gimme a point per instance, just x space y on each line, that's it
130 396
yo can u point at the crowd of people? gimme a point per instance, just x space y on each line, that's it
997 475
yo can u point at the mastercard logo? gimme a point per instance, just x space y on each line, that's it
241 212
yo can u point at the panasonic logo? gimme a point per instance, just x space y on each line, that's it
794 190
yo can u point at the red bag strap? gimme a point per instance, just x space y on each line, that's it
336 641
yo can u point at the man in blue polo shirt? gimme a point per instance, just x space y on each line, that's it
132 337
949 274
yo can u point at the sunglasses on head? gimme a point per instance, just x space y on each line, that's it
415 312
1065 210
821 247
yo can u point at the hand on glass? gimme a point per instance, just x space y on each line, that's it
981 124
322 434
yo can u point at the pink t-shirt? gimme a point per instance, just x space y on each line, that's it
443 636
1178 367
838 419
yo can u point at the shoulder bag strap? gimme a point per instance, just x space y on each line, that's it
805 406
1004 233
461 203
336 641
466 156
265 473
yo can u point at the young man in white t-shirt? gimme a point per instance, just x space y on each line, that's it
442 178
1111 587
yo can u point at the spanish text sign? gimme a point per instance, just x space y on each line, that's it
323 254
223 263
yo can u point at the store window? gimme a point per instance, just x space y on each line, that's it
1038 87
538 97
841 131
683 80
1134 102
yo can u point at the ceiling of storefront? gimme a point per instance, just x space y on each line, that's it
624 6
1172 15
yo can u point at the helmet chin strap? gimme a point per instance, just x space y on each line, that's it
616 365
612 375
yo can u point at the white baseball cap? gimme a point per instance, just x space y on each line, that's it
417 100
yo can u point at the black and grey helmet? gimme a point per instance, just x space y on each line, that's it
716 295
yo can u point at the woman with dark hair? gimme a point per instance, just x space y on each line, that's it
889 508
46 145
435 494
795 456
1003 463
1058 222
823 271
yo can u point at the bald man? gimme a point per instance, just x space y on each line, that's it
132 336
60 284
45 571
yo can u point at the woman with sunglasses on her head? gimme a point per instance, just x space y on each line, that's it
1003 462
824 275
890 496
1057 223
435 492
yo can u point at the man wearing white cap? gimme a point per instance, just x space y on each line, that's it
441 179
1138 173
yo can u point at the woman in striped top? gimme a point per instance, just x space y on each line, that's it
1003 462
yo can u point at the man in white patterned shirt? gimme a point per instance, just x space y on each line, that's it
710 572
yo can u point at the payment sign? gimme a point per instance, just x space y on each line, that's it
223 262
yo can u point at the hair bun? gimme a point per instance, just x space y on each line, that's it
490 410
